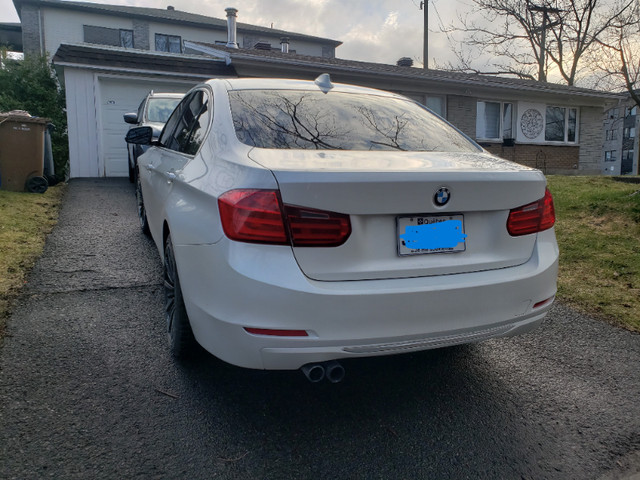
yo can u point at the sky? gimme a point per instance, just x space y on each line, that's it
371 30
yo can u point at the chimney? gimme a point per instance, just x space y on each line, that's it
284 43
171 7
231 27
405 62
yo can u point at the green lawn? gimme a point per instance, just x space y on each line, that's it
25 221
598 230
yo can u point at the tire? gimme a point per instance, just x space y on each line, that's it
182 343
36 184
142 213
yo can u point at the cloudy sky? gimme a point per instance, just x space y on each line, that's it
371 30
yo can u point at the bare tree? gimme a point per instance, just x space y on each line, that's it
619 58
531 39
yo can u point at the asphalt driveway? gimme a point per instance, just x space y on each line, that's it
89 390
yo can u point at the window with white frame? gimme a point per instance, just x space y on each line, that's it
494 121
560 124
610 156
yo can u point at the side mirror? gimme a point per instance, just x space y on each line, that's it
140 136
131 118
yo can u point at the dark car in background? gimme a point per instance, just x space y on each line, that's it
153 112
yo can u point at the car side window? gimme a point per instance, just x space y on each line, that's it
186 133
167 139
193 125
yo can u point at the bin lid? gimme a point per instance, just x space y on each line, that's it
22 117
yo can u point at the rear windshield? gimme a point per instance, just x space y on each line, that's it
293 119
159 109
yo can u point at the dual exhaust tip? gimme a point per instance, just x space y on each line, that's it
316 372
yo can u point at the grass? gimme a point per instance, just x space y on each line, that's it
598 231
25 221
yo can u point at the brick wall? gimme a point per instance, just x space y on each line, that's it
141 34
548 158
461 111
591 137
30 20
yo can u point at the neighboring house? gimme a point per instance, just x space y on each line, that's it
621 143
109 57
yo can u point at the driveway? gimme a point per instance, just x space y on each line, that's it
88 389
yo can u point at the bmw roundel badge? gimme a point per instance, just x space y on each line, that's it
442 196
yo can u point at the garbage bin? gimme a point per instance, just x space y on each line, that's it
22 152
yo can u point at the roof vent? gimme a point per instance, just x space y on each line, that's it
284 44
171 7
405 62
324 82
261 45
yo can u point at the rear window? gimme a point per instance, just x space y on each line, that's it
159 109
293 119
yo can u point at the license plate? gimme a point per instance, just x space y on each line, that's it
438 234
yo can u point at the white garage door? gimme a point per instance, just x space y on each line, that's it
117 97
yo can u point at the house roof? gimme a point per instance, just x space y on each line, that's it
123 59
170 16
241 57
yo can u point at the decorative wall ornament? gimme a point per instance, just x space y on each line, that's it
531 123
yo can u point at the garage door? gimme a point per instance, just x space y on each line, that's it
117 97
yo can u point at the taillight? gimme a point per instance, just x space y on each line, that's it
252 216
532 218
256 216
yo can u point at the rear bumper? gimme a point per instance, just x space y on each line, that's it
229 286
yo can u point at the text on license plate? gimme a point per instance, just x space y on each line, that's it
435 234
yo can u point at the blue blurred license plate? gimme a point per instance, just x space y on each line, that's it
437 234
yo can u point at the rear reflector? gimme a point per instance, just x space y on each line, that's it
544 302
277 333
256 216
532 218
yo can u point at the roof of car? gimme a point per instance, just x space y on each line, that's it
292 84
165 95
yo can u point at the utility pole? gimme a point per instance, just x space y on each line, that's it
425 47
542 76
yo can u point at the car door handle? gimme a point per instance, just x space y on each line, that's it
170 176
149 166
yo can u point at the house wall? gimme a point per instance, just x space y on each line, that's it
550 159
612 142
461 111
590 137
31 30
582 158
67 26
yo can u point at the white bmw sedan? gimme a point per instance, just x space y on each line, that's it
304 222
